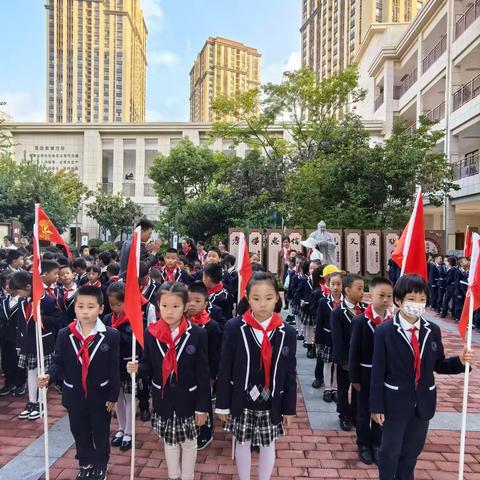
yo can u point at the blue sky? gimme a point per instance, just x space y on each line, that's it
177 31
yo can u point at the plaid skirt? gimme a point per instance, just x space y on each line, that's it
325 353
308 320
254 426
29 361
126 385
175 430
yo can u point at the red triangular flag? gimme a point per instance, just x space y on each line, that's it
48 232
37 287
467 249
133 296
410 252
244 266
473 291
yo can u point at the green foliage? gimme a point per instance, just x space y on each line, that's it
107 246
95 242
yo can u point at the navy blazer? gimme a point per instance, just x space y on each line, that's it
214 333
393 391
8 319
433 275
293 287
461 283
103 380
223 300
236 372
150 292
341 324
67 306
179 274
304 291
190 392
450 277
323 330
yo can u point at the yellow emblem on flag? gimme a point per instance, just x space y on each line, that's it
45 231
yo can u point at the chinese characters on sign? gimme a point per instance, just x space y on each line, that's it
274 247
354 257
233 240
372 252
255 243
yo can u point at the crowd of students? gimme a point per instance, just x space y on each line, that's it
206 353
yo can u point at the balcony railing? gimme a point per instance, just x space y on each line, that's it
129 189
411 128
437 113
466 93
107 187
434 54
378 101
148 190
469 16
408 82
467 166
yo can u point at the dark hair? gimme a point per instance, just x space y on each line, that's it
336 274
214 271
258 277
258 267
229 259
175 288
142 269
89 258
215 249
452 261
409 284
94 268
79 263
145 224
82 248
49 255
349 279
375 281
20 280
13 255
198 287
90 291
62 260
306 266
105 257
9 238
5 277
224 242
199 242
317 278
117 290
183 259
155 272
48 266
286 237
113 268
65 265
171 250
114 255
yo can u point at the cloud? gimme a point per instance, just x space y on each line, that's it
22 106
154 14
167 59
274 72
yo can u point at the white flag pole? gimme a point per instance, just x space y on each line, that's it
134 405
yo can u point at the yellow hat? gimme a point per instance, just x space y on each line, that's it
329 269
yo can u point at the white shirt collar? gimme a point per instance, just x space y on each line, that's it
12 301
375 314
99 327
351 306
406 325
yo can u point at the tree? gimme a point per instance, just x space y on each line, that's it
113 212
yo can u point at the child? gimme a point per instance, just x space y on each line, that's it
93 275
65 293
293 287
80 268
341 321
50 269
407 351
201 254
256 402
461 284
217 295
171 272
148 286
288 292
87 358
118 320
198 315
175 357
360 365
113 273
434 276
449 286
323 334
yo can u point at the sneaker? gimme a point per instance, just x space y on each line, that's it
327 396
203 442
26 412
85 472
345 424
117 439
145 415
99 473
6 390
311 352
35 412
334 396
19 391
317 383
300 336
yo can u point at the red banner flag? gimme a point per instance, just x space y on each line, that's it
410 252
133 296
467 249
48 232
37 287
244 266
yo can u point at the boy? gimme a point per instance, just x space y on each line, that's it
407 351
49 269
80 268
461 284
341 322
171 272
14 260
360 365
217 295
198 315
148 286
113 272
449 285
87 358
65 293
434 279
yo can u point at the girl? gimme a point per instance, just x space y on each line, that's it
175 358
93 275
256 402
293 287
323 334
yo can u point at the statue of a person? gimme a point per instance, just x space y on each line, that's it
325 243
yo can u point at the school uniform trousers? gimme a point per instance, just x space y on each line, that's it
433 278
407 407
461 284
88 416
449 298
223 302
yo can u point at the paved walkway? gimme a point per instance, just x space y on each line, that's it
314 447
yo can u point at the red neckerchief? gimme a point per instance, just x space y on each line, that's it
377 320
266 350
326 291
145 283
114 279
187 251
217 288
83 352
66 291
335 303
161 331
201 258
50 291
200 319
28 310
118 320
170 273
96 283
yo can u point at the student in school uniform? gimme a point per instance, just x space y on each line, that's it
288 292
104 260
461 284
175 356
407 352
197 315
433 281
217 294
360 365
49 274
282 259
87 359
232 275
15 260
341 323
171 272
188 250
449 285
79 266
256 388
148 286
293 287
201 253
65 293
113 274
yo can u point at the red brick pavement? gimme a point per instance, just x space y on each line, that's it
316 454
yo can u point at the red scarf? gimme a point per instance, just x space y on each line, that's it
217 288
67 291
118 320
200 319
51 291
326 291
96 283
145 283
201 258
114 278
83 352
186 251
266 350
170 273
161 331
377 320
335 302
28 310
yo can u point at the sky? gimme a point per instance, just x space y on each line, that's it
177 29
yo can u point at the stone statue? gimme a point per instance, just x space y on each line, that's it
325 243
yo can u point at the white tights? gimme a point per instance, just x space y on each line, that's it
243 459
298 321
189 457
124 412
329 376
32 385
309 334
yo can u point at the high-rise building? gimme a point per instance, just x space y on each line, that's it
223 67
333 30
96 61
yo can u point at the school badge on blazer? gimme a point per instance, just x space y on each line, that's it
285 351
104 347
191 349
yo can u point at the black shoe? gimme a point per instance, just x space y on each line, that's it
345 424
19 391
126 444
117 439
6 390
443 316
145 415
317 383
26 411
85 472
34 412
375 455
365 454
203 442
327 396
98 473
311 351
334 396
300 337
255 448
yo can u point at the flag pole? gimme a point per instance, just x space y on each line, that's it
134 387
463 433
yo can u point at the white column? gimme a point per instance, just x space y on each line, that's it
117 164
139 167
388 87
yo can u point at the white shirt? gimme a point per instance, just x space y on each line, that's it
259 333
99 327
12 302
406 326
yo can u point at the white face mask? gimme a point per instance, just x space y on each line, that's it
414 309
